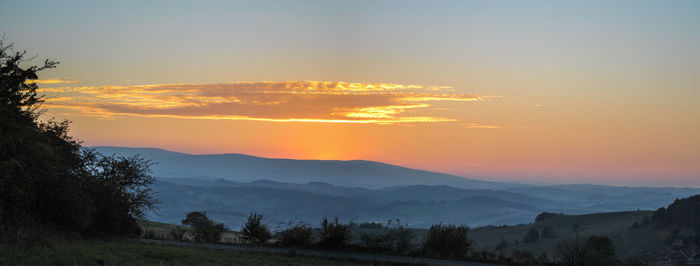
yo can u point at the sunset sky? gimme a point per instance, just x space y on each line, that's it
603 92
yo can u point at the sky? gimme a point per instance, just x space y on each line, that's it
601 92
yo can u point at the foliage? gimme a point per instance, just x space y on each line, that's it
334 235
595 250
254 230
205 230
48 182
448 241
297 236
682 212
396 239
531 236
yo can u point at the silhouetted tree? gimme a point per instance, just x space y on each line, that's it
47 180
334 235
447 241
254 230
205 230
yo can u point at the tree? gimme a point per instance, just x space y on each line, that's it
254 230
205 230
532 236
334 235
47 180
600 250
448 241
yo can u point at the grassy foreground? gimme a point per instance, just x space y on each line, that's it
126 252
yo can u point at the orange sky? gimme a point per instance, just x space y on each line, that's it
534 91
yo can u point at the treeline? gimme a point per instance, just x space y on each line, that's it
49 184
682 212
440 241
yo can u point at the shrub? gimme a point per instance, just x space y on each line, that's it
297 236
254 230
532 236
448 241
595 250
334 235
399 239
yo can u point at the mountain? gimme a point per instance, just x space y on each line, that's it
244 168
230 186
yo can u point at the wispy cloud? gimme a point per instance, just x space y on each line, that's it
52 81
287 101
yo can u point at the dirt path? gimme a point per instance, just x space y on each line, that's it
321 253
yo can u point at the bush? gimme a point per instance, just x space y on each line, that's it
297 236
205 230
448 241
254 230
334 235
399 239
595 250
396 239
532 236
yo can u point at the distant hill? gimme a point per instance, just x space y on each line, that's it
229 186
241 167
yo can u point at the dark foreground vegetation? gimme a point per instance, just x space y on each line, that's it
49 184
122 252
443 241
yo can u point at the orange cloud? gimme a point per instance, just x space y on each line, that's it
52 81
288 101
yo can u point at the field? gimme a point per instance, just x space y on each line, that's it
616 225
125 252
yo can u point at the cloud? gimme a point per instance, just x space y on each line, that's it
52 81
286 101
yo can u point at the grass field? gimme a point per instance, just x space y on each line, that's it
616 225
126 252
